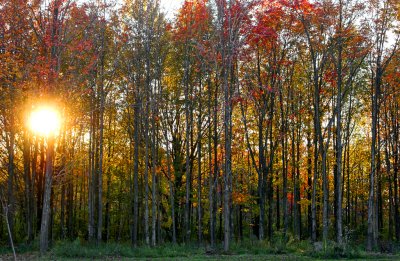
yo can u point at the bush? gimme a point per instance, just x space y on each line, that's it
78 249
254 247
279 245
331 250
20 248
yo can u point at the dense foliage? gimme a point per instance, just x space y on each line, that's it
236 119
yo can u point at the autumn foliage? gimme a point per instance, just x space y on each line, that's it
230 120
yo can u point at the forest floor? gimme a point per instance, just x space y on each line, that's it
248 257
281 257
249 251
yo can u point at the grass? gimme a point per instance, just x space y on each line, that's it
280 248
76 249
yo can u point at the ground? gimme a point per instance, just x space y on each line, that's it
248 257
248 251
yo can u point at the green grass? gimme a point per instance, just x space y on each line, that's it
76 249
280 248
20 248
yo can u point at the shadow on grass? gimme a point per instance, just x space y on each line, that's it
76 249
279 248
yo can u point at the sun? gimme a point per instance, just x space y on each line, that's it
45 121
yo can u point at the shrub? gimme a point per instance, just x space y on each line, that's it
78 249
331 250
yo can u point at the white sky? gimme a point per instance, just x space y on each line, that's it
170 7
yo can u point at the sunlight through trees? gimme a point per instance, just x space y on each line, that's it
232 120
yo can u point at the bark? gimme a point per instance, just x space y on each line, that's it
91 173
309 181
11 174
40 184
379 200
394 149
154 182
214 176
187 145
371 239
70 207
171 192
347 159
136 140
210 158
199 180
314 192
228 158
10 235
297 194
284 162
28 186
146 178
339 146
147 129
102 94
261 153
45 224
33 182
285 186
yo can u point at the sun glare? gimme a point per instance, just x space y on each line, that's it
45 121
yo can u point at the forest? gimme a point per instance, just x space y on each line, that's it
229 121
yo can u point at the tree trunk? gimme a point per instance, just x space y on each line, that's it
91 185
5 208
10 188
28 186
309 181
339 147
171 192
371 240
154 182
146 177
101 142
136 144
187 146
314 192
44 228
214 181
228 158
199 180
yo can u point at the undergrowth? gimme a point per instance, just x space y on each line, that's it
279 245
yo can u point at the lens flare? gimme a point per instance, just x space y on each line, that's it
45 121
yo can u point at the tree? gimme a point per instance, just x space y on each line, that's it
232 119
379 62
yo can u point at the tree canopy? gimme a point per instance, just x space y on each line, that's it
234 119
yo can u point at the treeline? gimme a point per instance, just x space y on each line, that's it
235 119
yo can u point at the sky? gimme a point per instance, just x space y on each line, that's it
170 7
